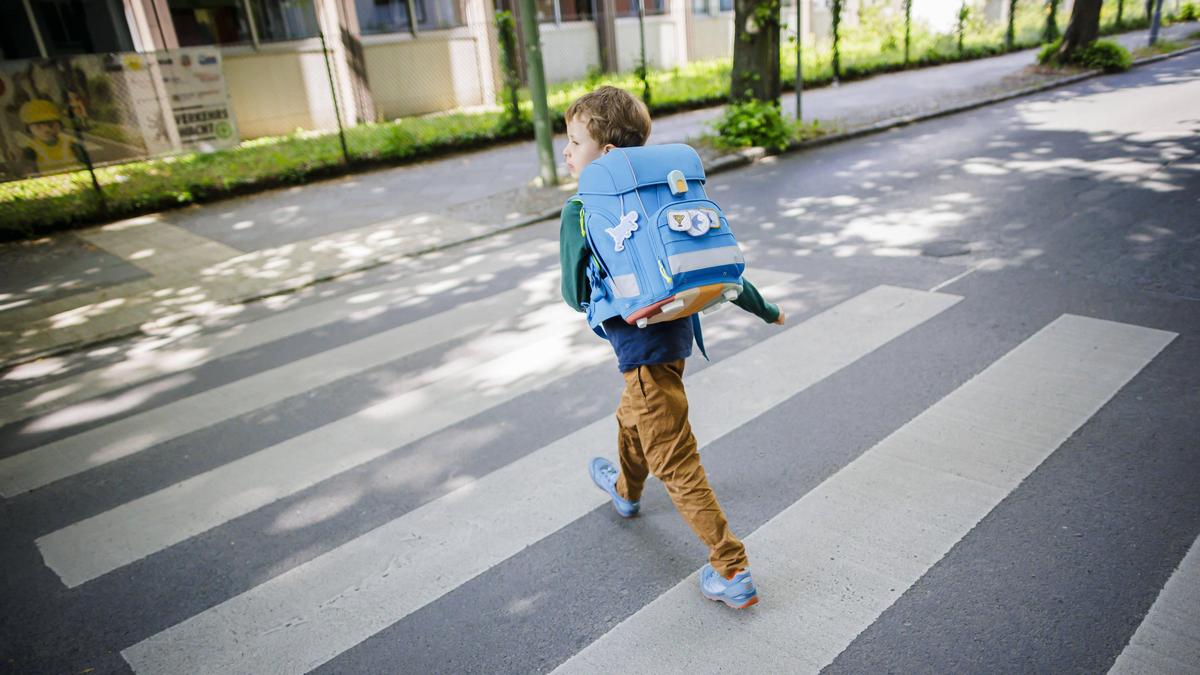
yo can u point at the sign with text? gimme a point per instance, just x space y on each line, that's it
57 114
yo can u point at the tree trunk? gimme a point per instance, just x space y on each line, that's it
1083 28
1050 32
1010 33
755 51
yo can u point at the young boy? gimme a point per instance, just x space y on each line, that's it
654 435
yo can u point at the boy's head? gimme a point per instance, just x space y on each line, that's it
601 120
42 119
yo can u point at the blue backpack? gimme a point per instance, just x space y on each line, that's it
662 250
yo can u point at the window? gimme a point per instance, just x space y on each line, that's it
66 27
209 22
391 16
224 22
282 20
568 10
726 5
700 7
16 37
630 7
576 10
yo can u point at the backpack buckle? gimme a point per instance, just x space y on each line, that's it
677 182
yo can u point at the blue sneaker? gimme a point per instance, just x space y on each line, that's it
604 475
738 592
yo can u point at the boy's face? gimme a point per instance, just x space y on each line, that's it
581 147
46 132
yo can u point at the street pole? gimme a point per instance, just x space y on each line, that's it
337 111
799 56
542 130
63 83
643 68
1156 22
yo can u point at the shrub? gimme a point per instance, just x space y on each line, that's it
1049 52
1188 12
754 123
1105 55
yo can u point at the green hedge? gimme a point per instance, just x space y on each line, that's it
40 205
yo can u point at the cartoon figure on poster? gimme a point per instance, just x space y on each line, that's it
38 136
58 114
47 147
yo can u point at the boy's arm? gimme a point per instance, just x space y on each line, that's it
573 255
752 301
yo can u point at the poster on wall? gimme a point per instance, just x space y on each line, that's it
52 112
199 102
110 108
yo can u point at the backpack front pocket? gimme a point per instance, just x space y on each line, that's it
697 241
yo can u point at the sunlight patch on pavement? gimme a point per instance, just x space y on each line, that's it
1122 112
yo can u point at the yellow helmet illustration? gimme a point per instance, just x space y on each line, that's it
39 110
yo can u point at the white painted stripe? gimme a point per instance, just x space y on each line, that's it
144 363
462 388
315 611
544 346
130 435
831 563
1168 639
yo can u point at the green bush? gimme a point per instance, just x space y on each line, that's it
1188 12
1104 55
1048 55
754 123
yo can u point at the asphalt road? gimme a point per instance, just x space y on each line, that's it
972 449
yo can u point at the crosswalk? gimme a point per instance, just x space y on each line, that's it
889 515
834 560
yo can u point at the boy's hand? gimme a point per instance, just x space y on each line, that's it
779 321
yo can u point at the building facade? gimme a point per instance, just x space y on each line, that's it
389 58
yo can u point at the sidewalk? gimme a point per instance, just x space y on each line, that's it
146 273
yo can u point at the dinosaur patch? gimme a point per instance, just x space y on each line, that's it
623 230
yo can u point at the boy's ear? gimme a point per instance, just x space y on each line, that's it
608 147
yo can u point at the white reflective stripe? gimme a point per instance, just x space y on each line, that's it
626 286
698 260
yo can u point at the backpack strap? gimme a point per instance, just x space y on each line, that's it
593 271
699 335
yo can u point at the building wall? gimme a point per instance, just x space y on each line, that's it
712 36
437 71
569 50
664 38
281 87
279 90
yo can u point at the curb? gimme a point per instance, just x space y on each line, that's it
721 164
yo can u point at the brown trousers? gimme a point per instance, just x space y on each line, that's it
656 437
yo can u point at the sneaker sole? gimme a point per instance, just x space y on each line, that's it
749 603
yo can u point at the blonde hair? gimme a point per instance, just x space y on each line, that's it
613 116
